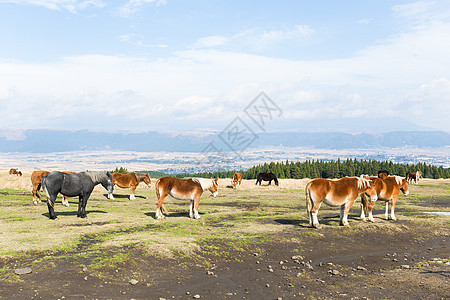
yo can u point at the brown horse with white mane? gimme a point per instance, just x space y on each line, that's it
237 179
14 171
342 192
414 177
388 189
184 189
130 180
36 179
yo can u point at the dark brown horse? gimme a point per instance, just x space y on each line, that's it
130 180
184 189
36 179
266 177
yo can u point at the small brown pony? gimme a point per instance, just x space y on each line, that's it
130 180
237 179
36 179
388 189
414 177
184 189
15 172
342 192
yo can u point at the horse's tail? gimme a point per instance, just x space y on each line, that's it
44 188
157 188
364 204
309 202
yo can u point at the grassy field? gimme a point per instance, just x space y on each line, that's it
234 222
248 211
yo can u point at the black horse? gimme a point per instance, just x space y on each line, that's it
266 177
72 185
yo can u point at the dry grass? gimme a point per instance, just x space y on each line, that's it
250 211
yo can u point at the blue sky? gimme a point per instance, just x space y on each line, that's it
192 65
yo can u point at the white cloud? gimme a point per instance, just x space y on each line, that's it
70 5
133 6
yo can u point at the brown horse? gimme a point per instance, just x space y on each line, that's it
342 192
237 179
388 189
411 177
36 179
184 189
15 172
130 180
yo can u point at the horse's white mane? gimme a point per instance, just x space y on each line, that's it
363 182
206 183
398 179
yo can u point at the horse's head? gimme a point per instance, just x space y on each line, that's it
147 180
108 183
214 189
404 187
369 189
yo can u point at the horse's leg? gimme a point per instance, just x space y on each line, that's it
36 196
394 201
161 199
65 201
345 208
50 205
270 182
132 192
341 214
386 215
370 210
314 212
80 205
196 204
191 209
363 207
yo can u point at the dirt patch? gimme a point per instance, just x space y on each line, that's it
332 263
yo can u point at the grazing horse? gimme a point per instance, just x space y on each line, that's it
266 177
71 185
130 180
237 179
388 189
184 189
15 172
36 179
412 177
342 192
383 174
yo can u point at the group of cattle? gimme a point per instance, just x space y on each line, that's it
337 192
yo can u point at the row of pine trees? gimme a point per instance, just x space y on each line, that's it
332 169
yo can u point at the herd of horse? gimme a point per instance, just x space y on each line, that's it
334 192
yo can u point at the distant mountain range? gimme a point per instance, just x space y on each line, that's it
46 141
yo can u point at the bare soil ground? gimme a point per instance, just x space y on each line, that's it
250 243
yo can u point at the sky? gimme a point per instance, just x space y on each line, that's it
176 65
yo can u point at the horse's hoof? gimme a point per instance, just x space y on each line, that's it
35 203
53 218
